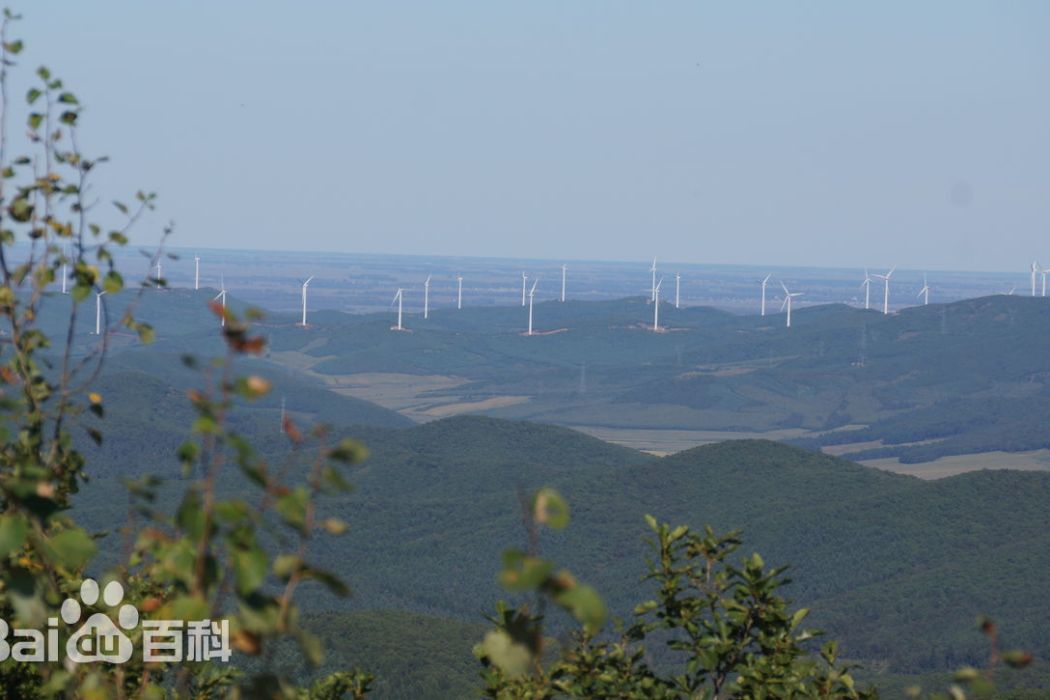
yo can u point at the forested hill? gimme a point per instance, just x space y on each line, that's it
436 504
910 384
896 567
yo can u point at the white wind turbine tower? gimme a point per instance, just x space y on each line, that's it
677 290
788 296
523 278
305 285
1044 271
160 274
866 284
459 291
656 304
924 292
196 272
764 283
886 289
563 269
532 293
398 299
221 297
1035 269
98 312
652 294
65 269
426 297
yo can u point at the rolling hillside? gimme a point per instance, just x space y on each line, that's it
897 386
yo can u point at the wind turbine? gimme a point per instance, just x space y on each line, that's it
764 283
563 269
788 296
459 291
98 312
221 297
523 278
886 289
398 298
866 284
1035 268
160 274
924 292
1044 271
532 293
305 285
652 295
426 297
656 303
65 270
677 289
196 272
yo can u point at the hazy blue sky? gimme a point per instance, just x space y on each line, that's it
823 133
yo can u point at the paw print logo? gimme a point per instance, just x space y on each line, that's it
99 638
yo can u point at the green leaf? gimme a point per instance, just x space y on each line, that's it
284 565
72 548
13 530
14 47
68 98
21 210
292 507
146 333
189 607
332 582
312 647
113 282
190 515
585 605
1016 658
522 572
249 569
509 656
34 120
33 95
335 526
349 452
799 615
95 434
550 509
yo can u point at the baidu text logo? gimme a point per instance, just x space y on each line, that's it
103 636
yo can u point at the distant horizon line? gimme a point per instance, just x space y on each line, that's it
607 261
668 266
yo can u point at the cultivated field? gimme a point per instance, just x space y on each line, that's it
1033 460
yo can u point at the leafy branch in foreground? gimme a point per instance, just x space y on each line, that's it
721 629
227 552
237 545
